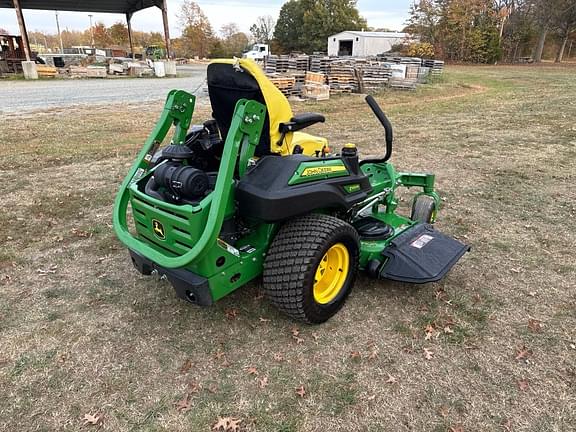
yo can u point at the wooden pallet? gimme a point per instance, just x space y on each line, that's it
316 92
46 71
314 77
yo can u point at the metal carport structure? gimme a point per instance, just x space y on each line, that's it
126 7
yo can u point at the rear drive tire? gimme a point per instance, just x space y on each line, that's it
311 267
424 209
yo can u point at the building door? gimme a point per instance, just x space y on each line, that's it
345 48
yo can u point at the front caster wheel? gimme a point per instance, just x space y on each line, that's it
424 209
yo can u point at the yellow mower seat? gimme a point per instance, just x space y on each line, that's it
309 143
232 79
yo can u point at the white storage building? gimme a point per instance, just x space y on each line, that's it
362 44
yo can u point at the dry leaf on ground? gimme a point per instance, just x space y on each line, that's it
301 391
93 420
523 384
535 325
183 405
428 354
523 353
231 314
227 424
186 366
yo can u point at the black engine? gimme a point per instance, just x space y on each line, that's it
186 173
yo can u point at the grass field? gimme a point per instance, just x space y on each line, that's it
490 348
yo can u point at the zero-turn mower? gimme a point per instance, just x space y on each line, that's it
247 194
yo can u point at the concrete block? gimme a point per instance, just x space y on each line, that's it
159 70
30 71
170 68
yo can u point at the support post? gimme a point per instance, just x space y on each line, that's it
59 34
166 29
23 31
128 21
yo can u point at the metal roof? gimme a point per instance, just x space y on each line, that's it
102 6
372 34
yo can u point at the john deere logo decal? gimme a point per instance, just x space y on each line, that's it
158 229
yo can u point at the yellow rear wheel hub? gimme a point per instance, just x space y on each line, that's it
331 273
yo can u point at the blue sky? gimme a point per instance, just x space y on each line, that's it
380 13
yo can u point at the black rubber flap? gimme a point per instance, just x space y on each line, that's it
421 255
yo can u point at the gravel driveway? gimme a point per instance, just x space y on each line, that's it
22 96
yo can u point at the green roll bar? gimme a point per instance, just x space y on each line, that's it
245 129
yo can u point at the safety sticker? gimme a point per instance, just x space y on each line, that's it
247 249
421 241
231 249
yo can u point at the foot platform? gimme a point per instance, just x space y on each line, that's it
419 255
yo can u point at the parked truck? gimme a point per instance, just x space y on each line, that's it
258 52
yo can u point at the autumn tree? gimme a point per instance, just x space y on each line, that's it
305 25
263 29
460 30
118 33
101 36
197 34
232 42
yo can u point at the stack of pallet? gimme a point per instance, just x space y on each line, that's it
403 83
277 64
285 84
412 71
414 61
78 71
46 71
299 78
314 87
319 64
299 63
436 66
375 76
87 72
423 74
342 78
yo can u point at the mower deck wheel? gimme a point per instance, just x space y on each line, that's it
424 209
311 267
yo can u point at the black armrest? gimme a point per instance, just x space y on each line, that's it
301 121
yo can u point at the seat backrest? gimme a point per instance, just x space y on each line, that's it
232 80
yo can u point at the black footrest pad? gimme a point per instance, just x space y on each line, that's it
421 255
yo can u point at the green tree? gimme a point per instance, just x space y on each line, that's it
289 26
305 25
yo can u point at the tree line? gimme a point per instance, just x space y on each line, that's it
479 31
487 31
